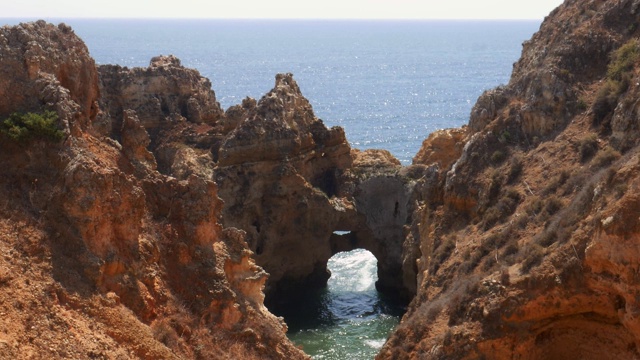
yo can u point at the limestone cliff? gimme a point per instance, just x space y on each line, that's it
155 226
103 256
286 179
528 240
146 228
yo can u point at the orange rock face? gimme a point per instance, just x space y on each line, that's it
442 147
528 241
157 224
285 179
123 261
155 228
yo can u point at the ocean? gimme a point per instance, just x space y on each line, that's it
389 84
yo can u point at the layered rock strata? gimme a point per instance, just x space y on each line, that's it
517 234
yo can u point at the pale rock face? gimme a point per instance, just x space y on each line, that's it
39 75
486 108
160 94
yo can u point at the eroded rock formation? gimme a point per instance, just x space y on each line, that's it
528 241
158 212
285 179
147 229
104 256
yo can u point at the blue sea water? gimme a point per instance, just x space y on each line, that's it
388 83
348 319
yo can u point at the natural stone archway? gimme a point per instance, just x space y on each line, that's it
286 179
381 203
292 225
290 197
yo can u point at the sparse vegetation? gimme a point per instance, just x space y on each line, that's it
581 105
547 238
531 257
441 254
515 169
557 182
498 157
606 99
23 127
500 211
605 157
588 146
504 137
461 296
510 250
165 333
552 205
619 74
623 59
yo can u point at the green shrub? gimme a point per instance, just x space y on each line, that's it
623 59
581 105
504 137
588 146
498 157
619 73
23 127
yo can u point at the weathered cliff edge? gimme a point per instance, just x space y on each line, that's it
528 219
104 256
518 233
146 229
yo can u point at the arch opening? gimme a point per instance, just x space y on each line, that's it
348 315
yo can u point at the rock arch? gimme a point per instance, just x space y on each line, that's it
370 205
381 203
285 178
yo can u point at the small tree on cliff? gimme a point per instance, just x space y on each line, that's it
23 127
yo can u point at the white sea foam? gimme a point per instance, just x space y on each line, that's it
353 271
376 344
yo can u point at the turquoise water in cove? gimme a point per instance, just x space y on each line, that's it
348 319
389 84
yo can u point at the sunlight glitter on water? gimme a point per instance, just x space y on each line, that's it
356 321
353 271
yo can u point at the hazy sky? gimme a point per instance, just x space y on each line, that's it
339 9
